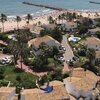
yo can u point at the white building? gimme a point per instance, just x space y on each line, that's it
82 84
93 42
7 93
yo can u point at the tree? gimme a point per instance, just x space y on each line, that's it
55 50
2 73
56 34
83 29
3 19
39 23
13 47
91 56
18 19
19 48
46 49
98 34
29 17
50 19
59 17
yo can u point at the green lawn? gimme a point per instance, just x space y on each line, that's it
26 79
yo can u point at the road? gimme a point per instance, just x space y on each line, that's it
68 53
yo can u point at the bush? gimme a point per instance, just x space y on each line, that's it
3 82
6 50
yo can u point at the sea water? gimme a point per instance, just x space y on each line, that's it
15 7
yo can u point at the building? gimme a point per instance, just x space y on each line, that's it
69 26
35 29
98 56
58 93
93 42
93 31
82 84
34 43
7 93
49 26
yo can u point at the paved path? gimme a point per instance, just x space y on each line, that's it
68 53
27 69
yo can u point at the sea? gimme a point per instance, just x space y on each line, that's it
16 7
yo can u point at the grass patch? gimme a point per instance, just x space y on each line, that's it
11 73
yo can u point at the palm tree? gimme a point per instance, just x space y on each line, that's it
50 19
3 19
63 17
39 23
59 17
18 19
29 17
91 56
13 47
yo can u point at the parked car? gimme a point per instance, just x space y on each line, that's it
59 57
62 48
5 60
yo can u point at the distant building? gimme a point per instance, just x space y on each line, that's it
82 84
34 43
35 29
69 26
49 26
93 42
58 93
7 93
93 31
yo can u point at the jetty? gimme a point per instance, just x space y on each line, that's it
44 6
94 2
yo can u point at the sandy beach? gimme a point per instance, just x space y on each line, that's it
11 23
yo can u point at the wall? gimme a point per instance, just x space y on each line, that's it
96 47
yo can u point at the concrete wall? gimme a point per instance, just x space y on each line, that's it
96 47
11 96
77 93
22 97
71 89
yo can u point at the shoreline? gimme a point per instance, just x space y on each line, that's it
11 23
48 11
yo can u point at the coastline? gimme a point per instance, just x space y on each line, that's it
11 23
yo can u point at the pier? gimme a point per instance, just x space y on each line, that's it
44 6
94 2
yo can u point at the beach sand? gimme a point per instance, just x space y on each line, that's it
11 24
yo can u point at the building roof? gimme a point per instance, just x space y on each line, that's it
97 54
58 92
82 80
37 41
92 41
35 29
5 92
49 26
94 30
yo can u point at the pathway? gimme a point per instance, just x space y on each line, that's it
27 69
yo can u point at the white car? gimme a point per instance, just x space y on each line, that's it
6 60
63 47
61 59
